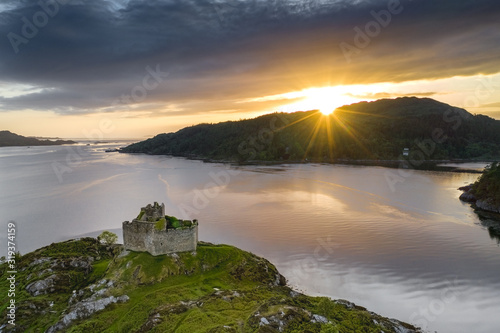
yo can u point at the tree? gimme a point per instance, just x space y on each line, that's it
107 238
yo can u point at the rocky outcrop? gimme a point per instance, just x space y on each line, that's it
87 307
280 319
482 204
56 270
42 287
485 192
468 195
485 205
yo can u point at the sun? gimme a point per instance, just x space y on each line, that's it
326 111
324 99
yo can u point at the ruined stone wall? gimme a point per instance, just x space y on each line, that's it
143 236
175 240
155 211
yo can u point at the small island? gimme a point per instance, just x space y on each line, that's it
94 285
9 139
484 194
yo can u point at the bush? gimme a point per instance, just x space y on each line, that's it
107 238
488 185
173 222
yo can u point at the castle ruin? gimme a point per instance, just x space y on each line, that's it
154 232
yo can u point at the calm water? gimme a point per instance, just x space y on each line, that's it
413 252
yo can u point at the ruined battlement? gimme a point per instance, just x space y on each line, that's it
154 232
154 212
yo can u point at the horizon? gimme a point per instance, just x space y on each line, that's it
125 69
145 137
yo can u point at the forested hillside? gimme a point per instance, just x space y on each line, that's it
374 130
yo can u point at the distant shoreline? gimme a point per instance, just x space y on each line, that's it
9 139
55 143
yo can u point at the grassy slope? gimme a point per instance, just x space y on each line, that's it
35 314
219 289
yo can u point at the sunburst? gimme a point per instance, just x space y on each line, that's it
323 132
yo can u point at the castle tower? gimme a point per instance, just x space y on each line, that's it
154 232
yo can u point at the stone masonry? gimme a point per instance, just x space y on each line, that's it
154 232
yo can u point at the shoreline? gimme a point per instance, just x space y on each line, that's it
429 165
479 205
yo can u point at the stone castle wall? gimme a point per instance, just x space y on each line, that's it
144 236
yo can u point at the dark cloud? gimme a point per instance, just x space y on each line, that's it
92 52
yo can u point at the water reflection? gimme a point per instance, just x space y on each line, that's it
331 230
490 221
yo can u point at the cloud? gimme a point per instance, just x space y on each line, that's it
393 95
494 114
90 53
491 105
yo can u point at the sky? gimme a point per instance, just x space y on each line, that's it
134 69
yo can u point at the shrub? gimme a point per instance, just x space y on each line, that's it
107 238
173 222
488 185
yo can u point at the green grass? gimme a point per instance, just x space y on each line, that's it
35 313
218 289
160 224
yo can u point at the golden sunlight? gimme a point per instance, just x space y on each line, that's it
326 111
325 99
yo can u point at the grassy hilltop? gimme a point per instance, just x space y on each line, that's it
84 286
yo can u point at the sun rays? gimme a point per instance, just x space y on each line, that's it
324 99
329 137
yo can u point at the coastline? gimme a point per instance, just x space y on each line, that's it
484 193
428 165
41 144
482 205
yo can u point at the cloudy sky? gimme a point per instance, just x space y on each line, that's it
73 67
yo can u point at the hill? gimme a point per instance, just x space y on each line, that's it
9 139
377 130
84 286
